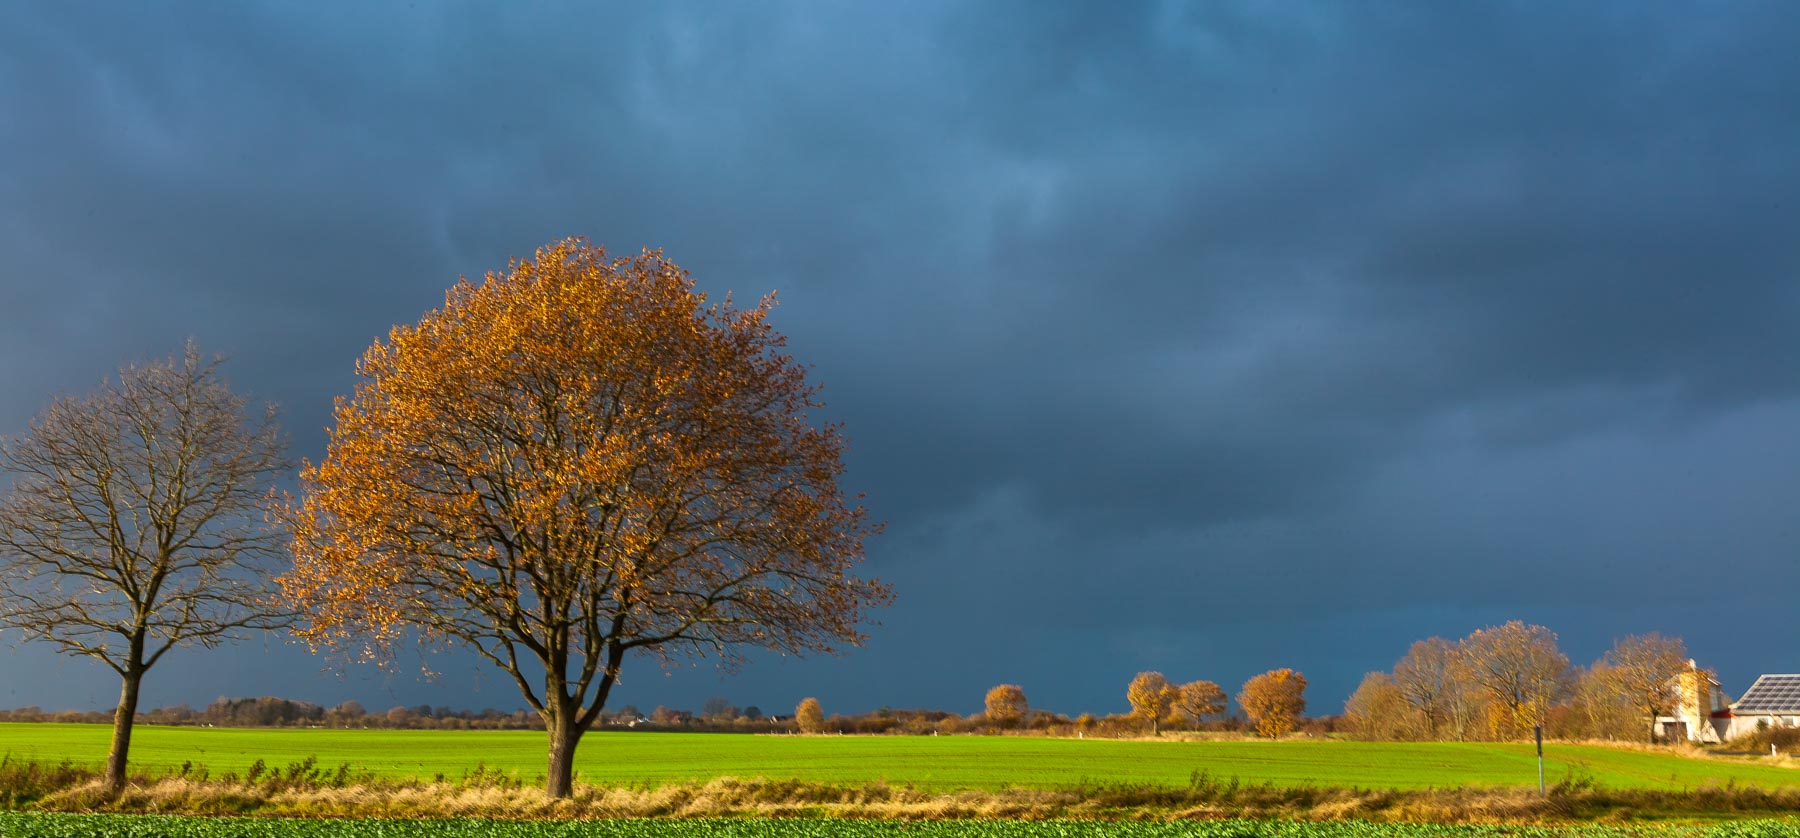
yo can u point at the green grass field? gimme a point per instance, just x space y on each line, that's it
941 763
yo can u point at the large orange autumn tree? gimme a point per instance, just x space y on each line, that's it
571 462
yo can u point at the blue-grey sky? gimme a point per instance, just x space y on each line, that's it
1198 337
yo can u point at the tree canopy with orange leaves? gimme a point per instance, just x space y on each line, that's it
1274 701
1151 696
575 460
1005 705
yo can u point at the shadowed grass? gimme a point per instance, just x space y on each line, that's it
301 790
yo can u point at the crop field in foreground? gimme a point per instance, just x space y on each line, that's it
19 825
940 763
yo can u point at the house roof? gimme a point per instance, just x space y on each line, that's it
1771 694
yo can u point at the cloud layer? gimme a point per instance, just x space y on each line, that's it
1199 338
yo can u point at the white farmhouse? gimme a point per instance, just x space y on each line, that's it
1701 712
1704 714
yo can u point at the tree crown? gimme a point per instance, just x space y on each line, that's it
574 459
132 525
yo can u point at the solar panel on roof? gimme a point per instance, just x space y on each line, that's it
1771 694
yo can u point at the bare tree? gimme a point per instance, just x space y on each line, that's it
1379 710
1429 678
1521 671
1643 669
1598 707
718 709
132 526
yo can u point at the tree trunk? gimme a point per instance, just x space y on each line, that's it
564 734
123 718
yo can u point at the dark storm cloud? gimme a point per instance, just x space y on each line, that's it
1175 335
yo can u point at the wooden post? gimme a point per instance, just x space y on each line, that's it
1539 729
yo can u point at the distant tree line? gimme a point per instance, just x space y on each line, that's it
717 714
1274 704
1495 684
1499 683
269 711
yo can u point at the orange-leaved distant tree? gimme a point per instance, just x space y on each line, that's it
572 461
131 524
1005 705
1274 701
809 716
1195 700
1151 696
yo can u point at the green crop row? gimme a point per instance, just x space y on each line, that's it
42 825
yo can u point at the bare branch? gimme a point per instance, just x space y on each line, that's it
132 511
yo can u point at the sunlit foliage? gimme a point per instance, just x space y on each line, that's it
573 460
1151 696
1274 701
809 716
1005 705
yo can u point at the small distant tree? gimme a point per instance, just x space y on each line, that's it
345 714
1151 696
132 524
1196 700
1520 670
1643 669
1274 701
1006 705
1430 679
1378 710
1599 708
718 709
809 716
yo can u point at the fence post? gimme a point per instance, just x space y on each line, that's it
1539 729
